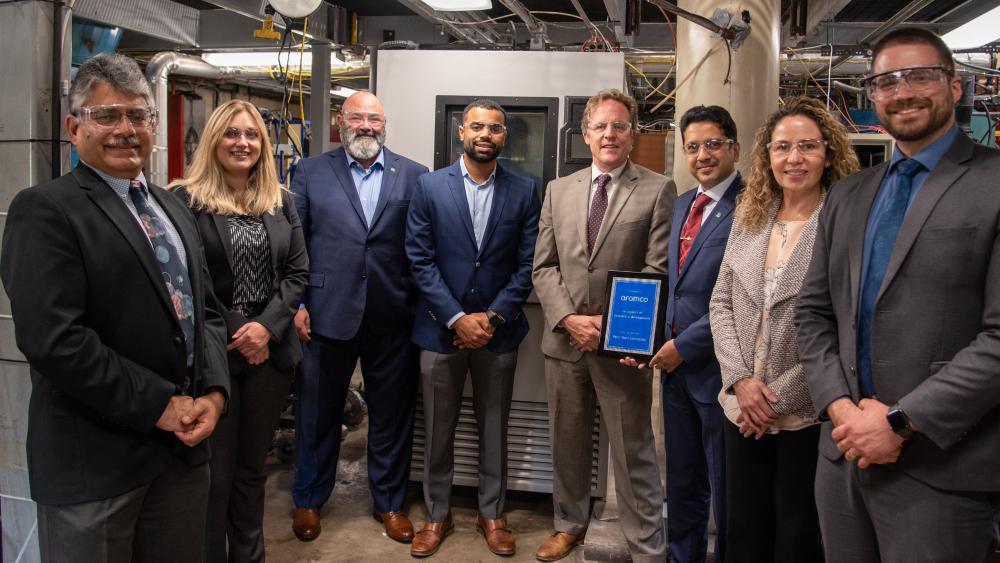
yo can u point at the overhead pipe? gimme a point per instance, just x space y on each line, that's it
535 27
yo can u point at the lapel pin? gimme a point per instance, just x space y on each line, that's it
392 169
718 214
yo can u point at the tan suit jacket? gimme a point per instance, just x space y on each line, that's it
633 237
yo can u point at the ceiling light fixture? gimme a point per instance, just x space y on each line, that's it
975 33
459 5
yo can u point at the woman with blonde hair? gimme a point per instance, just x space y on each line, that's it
772 433
256 254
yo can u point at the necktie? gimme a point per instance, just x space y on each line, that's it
691 228
597 208
175 275
883 241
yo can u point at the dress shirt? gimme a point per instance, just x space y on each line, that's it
715 194
121 186
368 183
615 174
480 198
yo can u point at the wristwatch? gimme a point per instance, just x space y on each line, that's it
494 318
899 422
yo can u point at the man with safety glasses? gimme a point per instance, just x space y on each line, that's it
107 284
899 328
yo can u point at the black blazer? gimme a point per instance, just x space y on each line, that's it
290 272
105 348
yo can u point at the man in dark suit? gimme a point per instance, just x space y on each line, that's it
469 319
107 284
690 378
359 304
899 328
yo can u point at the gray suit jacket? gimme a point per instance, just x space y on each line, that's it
936 330
633 237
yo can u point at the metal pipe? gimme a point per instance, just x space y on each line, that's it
534 26
848 88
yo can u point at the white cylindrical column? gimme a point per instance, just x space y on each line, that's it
751 93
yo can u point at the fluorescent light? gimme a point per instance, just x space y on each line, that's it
459 5
342 91
266 59
975 33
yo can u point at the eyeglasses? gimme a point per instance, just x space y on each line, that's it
374 119
494 128
711 145
234 133
617 127
111 115
806 147
920 80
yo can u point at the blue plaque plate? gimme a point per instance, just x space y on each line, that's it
633 314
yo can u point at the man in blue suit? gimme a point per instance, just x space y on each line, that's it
689 376
470 238
359 304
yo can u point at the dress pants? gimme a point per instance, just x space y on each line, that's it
442 378
625 395
769 497
239 446
881 514
389 364
160 522
696 465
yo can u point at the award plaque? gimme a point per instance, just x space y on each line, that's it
634 313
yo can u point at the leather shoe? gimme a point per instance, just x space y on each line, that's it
557 546
499 538
305 523
397 525
428 539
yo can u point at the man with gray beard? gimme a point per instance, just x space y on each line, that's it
352 202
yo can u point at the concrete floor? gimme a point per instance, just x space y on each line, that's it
350 534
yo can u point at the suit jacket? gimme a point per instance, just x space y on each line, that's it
935 340
633 237
737 308
289 274
355 272
691 289
104 345
452 274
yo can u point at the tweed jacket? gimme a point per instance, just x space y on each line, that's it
737 307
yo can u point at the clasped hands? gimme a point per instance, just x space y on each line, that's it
584 331
251 340
472 331
862 432
192 420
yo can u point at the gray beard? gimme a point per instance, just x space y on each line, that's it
361 147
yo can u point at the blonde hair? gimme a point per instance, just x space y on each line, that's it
205 180
618 96
762 192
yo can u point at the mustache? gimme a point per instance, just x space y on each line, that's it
130 141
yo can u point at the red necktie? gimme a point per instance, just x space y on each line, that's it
691 228
597 208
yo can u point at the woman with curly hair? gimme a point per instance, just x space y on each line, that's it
256 254
772 435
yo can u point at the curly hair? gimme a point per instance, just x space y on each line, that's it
762 191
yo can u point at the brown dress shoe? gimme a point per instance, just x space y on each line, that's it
397 525
305 523
428 539
557 546
499 538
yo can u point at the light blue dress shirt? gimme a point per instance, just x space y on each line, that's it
368 183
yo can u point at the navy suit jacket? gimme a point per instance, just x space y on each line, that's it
355 272
691 290
454 276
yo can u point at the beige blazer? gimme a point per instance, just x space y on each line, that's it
633 237
736 310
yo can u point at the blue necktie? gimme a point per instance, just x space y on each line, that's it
175 275
883 241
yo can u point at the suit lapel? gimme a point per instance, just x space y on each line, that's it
272 225
338 162
456 185
389 175
857 225
681 206
944 175
626 185
221 223
581 193
722 210
496 210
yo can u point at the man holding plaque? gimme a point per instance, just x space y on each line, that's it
613 215
469 322
690 377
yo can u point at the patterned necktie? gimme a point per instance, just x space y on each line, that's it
597 209
691 228
175 275
883 241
